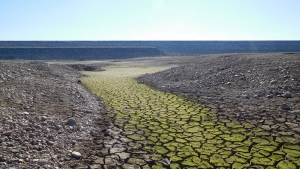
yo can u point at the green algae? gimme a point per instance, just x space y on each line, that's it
187 133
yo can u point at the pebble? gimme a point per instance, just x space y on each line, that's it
44 118
287 95
76 154
42 162
71 122
25 113
50 142
166 162
7 133
273 82
295 111
58 127
2 159
285 107
245 96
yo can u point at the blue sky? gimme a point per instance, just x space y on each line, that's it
149 20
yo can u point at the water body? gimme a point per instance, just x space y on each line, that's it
87 50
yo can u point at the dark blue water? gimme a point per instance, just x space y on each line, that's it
172 48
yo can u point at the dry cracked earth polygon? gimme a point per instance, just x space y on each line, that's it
163 130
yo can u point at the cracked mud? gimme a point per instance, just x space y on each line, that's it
158 125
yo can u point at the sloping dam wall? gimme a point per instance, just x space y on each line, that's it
77 53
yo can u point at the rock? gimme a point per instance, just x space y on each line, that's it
14 150
287 95
285 107
93 133
35 160
42 161
76 154
166 162
58 127
21 124
44 118
295 111
71 122
50 142
273 82
9 144
25 113
7 133
245 96
2 159
141 81
60 146
242 78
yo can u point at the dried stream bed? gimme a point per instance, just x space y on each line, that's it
161 125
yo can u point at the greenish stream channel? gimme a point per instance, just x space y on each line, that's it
188 134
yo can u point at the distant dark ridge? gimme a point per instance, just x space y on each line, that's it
172 48
73 53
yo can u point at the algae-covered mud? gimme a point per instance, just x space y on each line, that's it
162 125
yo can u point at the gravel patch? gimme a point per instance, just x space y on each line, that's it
47 117
263 89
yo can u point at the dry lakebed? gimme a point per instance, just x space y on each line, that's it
213 111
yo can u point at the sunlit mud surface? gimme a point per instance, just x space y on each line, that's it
162 125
